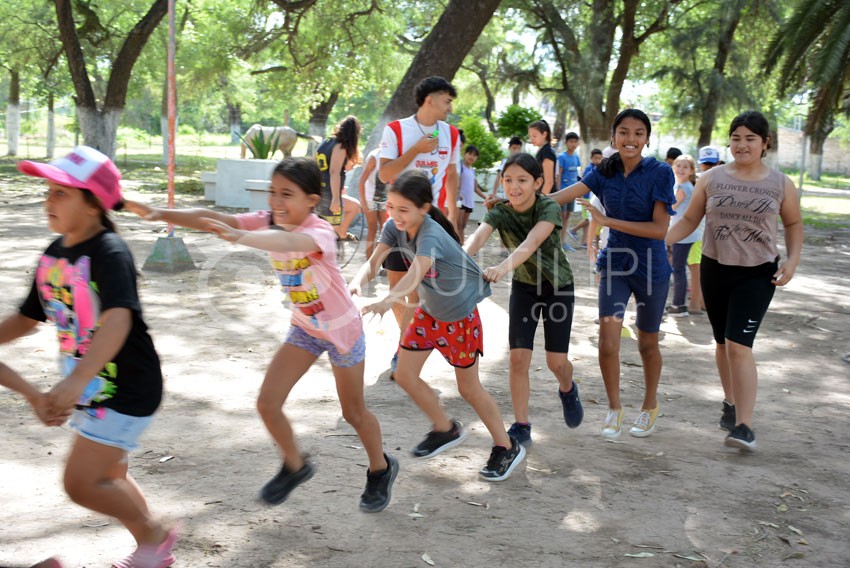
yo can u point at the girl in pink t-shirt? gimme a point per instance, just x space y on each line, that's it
302 248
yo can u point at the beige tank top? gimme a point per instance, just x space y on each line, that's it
741 218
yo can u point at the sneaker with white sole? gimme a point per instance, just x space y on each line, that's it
436 442
742 437
645 422
613 426
503 461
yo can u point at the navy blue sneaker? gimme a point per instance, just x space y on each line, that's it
521 433
742 437
281 485
502 462
727 419
573 411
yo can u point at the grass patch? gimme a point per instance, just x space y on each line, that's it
825 212
826 181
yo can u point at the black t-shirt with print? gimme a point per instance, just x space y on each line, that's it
72 287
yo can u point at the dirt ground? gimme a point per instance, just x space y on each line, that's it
677 498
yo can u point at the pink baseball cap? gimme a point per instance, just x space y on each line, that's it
83 168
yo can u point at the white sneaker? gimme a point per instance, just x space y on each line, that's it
613 426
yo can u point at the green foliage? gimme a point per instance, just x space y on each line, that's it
263 148
514 121
477 134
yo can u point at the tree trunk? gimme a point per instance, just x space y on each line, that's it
814 161
442 53
491 100
99 124
708 117
234 122
51 125
319 115
13 113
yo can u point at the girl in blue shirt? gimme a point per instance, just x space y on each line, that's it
637 194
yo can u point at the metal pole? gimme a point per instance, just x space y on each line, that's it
802 163
172 111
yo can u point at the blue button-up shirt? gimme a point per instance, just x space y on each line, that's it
632 198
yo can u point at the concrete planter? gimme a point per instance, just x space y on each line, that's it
231 177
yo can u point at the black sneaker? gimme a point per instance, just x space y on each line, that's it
379 487
727 419
281 485
436 442
503 461
522 433
677 311
742 437
573 411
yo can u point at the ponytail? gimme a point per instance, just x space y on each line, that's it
105 219
415 186
609 167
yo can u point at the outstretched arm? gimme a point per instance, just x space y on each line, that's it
539 233
369 269
415 274
272 240
479 237
191 218
567 194
14 326
692 217
655 229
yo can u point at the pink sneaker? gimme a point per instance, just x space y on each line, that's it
150 556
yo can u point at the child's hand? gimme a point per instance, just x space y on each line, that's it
63 396
495 273
784 273
335 206
142 210
378 308
592 251
597 215
222 230
491 201
41 408
355 289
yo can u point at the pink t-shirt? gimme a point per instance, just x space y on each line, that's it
321 302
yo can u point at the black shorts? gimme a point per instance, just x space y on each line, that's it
396 261
528 302
736 298
465 208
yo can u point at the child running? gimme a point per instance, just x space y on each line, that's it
636 193
85 283
542 286
685 170
450 286
302 251
740 269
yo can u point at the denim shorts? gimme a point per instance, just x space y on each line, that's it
108 427
301 339
650 297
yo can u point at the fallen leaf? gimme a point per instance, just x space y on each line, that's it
785 540
95 524
615 539
803 541
795 530
765 523
165 459
782 508
427 559
416 507
416 515
475 504
648 546
640 555
691 558
795 555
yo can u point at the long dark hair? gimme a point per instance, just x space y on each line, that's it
105 219
614 164
347 133
542 126
303 171
415 186
527 162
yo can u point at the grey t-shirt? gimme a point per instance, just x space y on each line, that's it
454 285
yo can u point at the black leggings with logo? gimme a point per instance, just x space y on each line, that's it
736 298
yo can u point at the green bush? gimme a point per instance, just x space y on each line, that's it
263 148
514 121
477 134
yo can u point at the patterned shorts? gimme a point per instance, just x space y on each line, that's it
301 339
460 342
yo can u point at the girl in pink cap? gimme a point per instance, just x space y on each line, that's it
85 283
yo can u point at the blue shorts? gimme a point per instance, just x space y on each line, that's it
108 427
650 297
301 339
